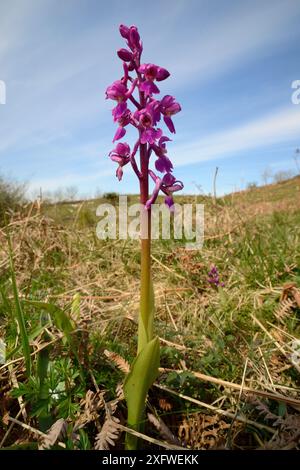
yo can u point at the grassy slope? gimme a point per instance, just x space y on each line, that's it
253 239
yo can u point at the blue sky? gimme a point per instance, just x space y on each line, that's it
232 64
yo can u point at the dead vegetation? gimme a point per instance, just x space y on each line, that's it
230 357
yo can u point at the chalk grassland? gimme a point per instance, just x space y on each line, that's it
229 355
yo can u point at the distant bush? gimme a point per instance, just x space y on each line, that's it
12 195
252 185
283 175
112 197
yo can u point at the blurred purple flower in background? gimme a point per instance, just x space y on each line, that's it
214 278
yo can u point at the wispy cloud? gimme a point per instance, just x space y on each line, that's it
58 85
229 39
69 179
278 127
57 59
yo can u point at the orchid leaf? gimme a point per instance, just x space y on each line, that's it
144 371
19 314
60 318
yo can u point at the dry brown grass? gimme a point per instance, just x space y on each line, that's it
235 340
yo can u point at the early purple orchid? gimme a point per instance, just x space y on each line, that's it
144 118
151 140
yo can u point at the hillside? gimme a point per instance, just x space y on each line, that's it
229 343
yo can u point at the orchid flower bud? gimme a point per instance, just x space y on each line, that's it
124 31
125 55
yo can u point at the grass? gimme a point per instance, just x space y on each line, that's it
240 335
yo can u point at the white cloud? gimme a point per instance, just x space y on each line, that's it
69 179
56 83
280 126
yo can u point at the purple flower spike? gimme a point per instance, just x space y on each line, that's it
140 79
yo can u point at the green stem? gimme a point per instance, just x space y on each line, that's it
145 332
